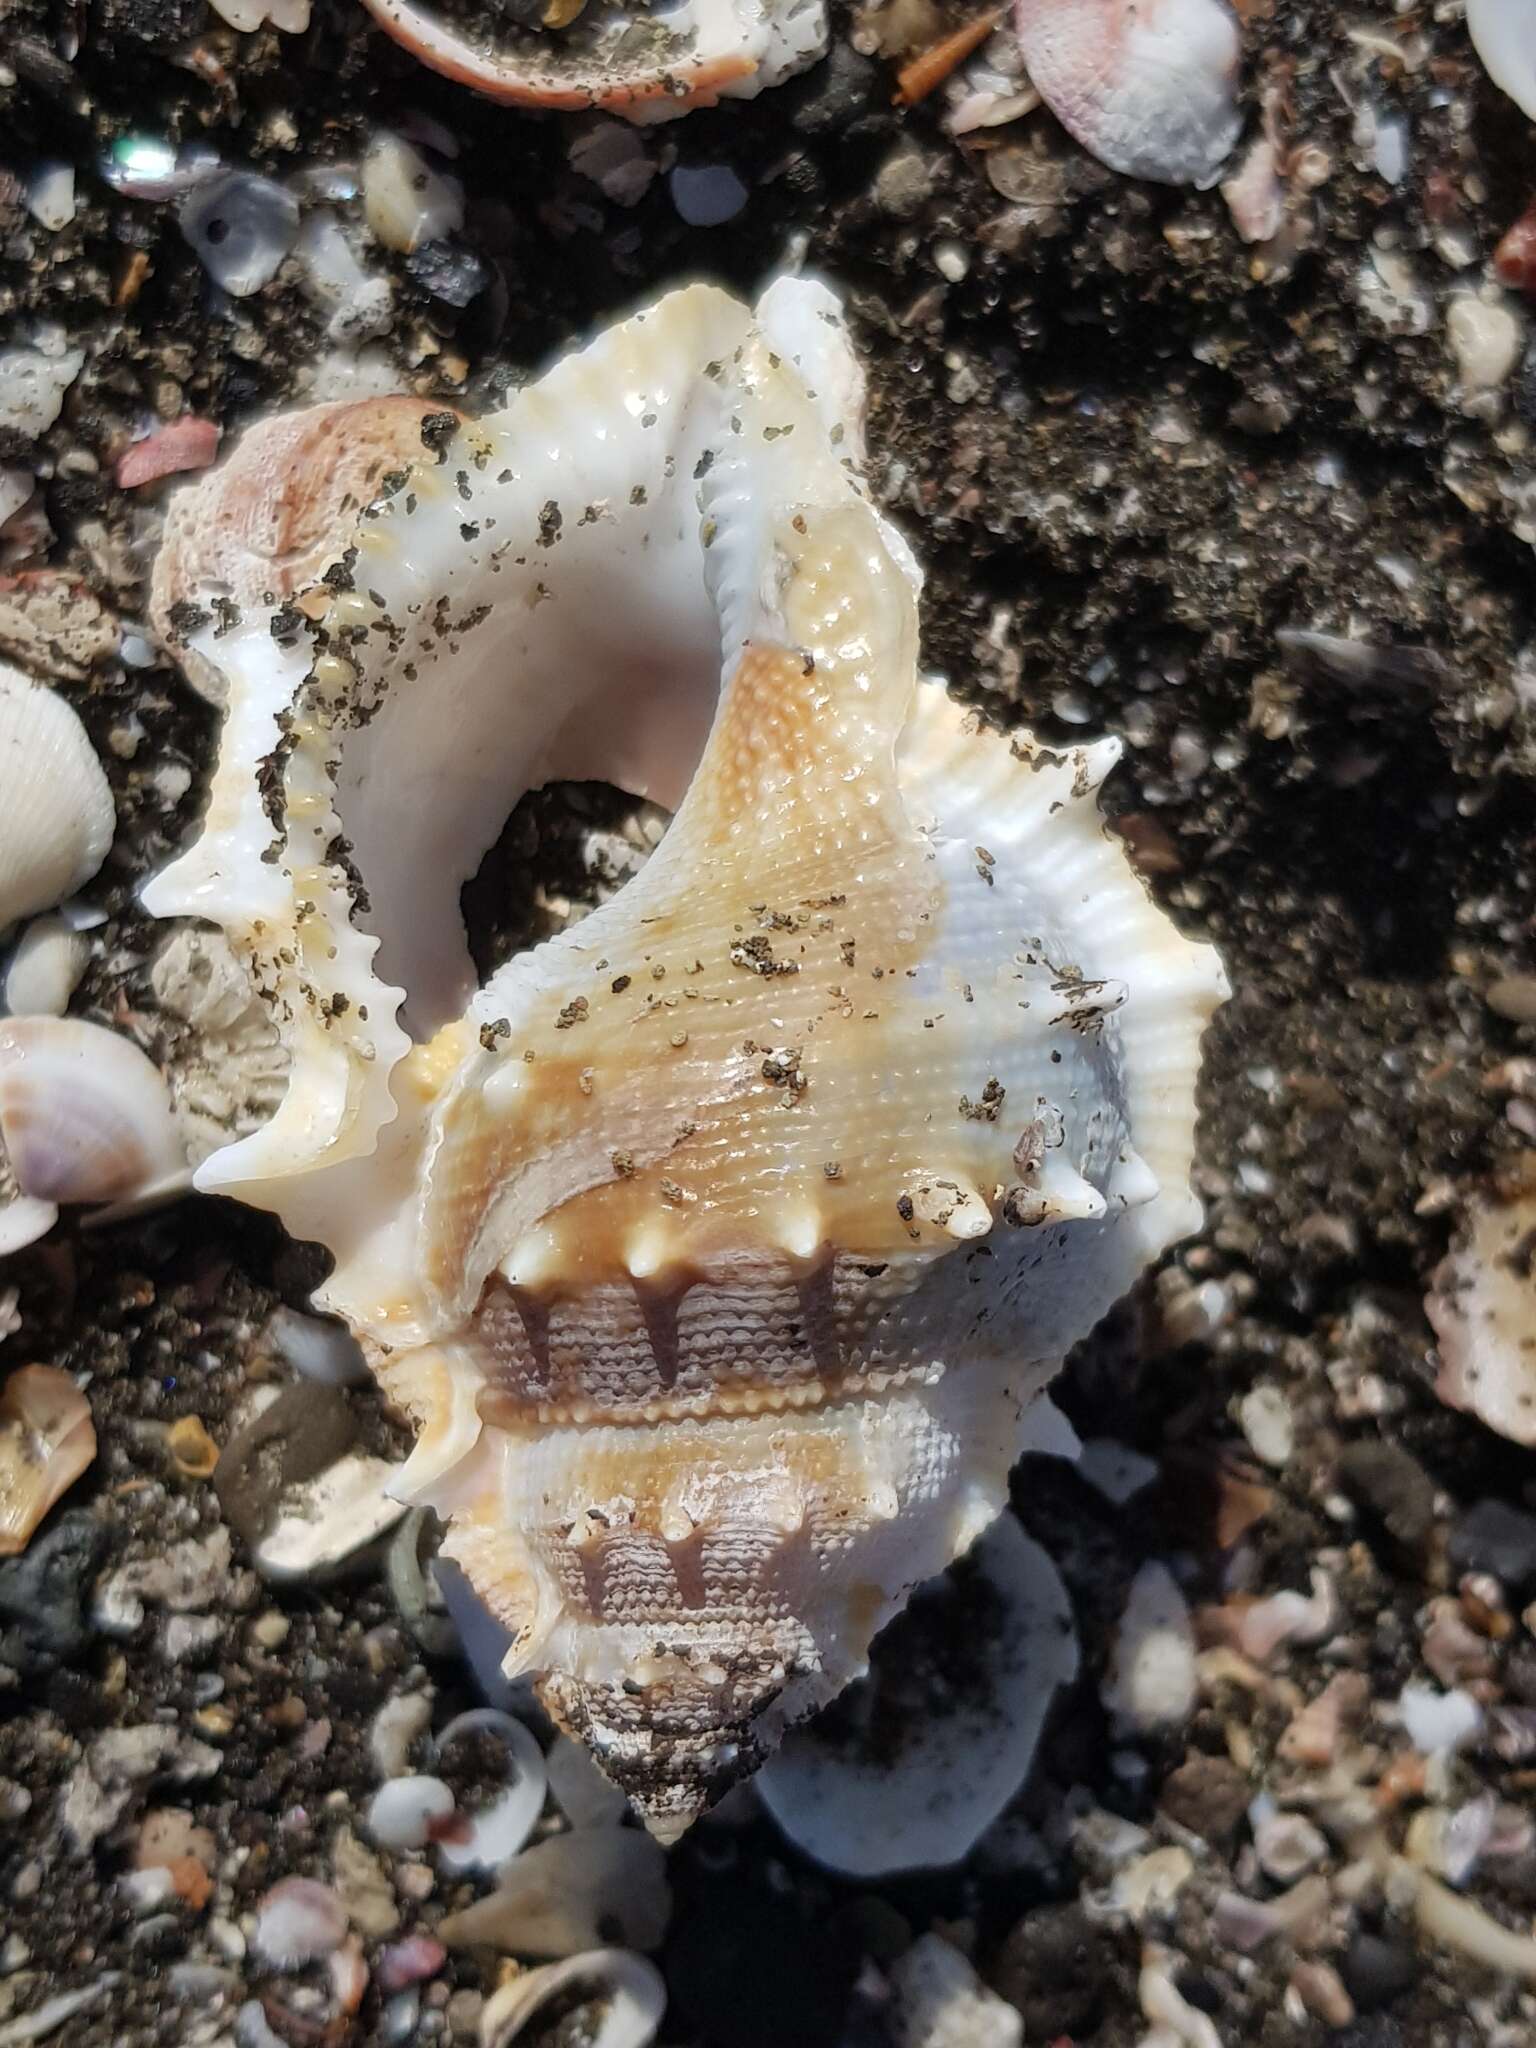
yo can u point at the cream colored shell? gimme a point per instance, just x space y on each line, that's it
717 1246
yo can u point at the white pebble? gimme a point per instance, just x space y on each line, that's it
360 302
241 227
1437 1722
401 1813
706 194
1487 337
316 1347
299 1921
1287 1844
951 259
1151 1681
405 201
51 194
33 382
1267 1422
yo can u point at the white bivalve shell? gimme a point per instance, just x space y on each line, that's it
84 1115
56 815
1149 87
718 1246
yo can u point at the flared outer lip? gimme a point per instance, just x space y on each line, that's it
697 82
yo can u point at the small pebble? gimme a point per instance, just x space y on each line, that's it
299 1921
401 1813
1493 1537
51 195
1377 1970
1514 997
1151 1683
406 202
705 195
1487 339
1265 1415
242 228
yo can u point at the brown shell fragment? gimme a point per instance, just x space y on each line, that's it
47 1439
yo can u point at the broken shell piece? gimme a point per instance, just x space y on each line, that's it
47 1439
269 520
488 1839
1149 89
626 1993
227 1064
1502 34
56 815
633 1231
84 1115
326 1522
940 2002
45 968
926 1752
1482 1305
562 1895
647 66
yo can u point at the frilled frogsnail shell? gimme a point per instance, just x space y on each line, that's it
717 1245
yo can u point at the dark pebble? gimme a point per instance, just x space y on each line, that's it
1208 1795
839 96
1053 1970
453 275
1394 1486
43 1595
1378 1968
1494 1537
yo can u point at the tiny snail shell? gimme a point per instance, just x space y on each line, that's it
632 1990
56 815
84 1115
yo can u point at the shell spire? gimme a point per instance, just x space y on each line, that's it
718 1246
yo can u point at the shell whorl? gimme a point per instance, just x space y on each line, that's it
717 1246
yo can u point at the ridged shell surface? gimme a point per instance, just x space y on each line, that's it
718 1245
56 814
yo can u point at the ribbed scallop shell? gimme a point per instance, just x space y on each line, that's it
718 1245
84 1115
56 815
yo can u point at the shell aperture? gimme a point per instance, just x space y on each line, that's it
718 1245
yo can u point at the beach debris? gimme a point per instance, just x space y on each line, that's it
47 1439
